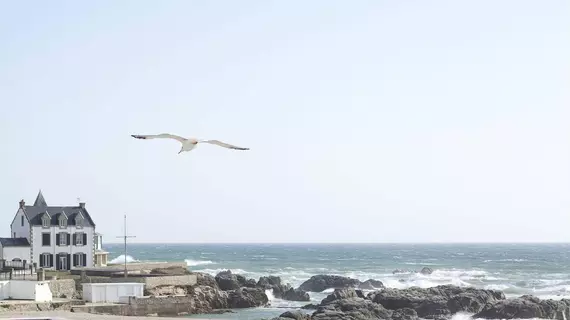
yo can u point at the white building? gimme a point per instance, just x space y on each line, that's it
58 237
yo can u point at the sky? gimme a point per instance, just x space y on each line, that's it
367 121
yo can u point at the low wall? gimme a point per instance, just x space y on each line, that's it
185 280
63 288
25 290
35 306
165 306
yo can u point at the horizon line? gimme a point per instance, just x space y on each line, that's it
344 243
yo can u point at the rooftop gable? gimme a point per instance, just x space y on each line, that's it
36 212
40 201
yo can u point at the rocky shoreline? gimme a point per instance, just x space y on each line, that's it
353 299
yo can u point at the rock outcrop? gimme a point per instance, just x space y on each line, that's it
371 284
282 291
526 307
351 309
226 280
436 302
247 298
319 283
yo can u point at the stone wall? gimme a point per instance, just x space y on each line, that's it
63 288
185 280
35 306
164 306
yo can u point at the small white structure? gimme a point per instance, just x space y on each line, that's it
15 249
38 291
101 256
111 292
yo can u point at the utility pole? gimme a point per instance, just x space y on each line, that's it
125 236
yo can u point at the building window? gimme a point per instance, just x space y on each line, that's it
62 239
46 260
62 222
79 260
22 219
46 239
45 222
79 239
79 221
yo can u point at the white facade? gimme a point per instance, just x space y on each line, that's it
38 291
58 237
15 253
39 247
20 226
111 292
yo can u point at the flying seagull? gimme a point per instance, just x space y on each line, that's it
187 144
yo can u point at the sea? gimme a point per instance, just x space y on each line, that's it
516 269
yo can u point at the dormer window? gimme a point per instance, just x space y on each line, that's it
62 220
79 221
45 220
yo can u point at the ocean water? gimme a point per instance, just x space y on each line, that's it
516 269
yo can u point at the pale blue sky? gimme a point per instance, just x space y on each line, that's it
368 121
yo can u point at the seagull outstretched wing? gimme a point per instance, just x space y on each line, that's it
223 144
159 136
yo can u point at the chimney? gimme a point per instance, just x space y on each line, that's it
22 204
82 204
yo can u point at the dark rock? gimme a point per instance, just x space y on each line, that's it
295 295
279 290
526 307
426 270
250 283
436 302
351 309
405 314
310 306
204 279
227 280
269 282
320 283
371 284
340 294
247 298
295 314
207 298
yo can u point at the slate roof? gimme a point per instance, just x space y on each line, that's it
40 201
14 242
34 213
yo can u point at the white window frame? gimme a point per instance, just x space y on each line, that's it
79 222
45 221
44 260
63 239
79 239
62 222
79 260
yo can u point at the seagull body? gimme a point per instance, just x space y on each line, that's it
188 144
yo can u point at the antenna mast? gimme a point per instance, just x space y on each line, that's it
125 236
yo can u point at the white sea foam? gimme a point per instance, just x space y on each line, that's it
192 263
121 259
555 288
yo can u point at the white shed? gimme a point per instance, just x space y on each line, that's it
38 291
111 292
